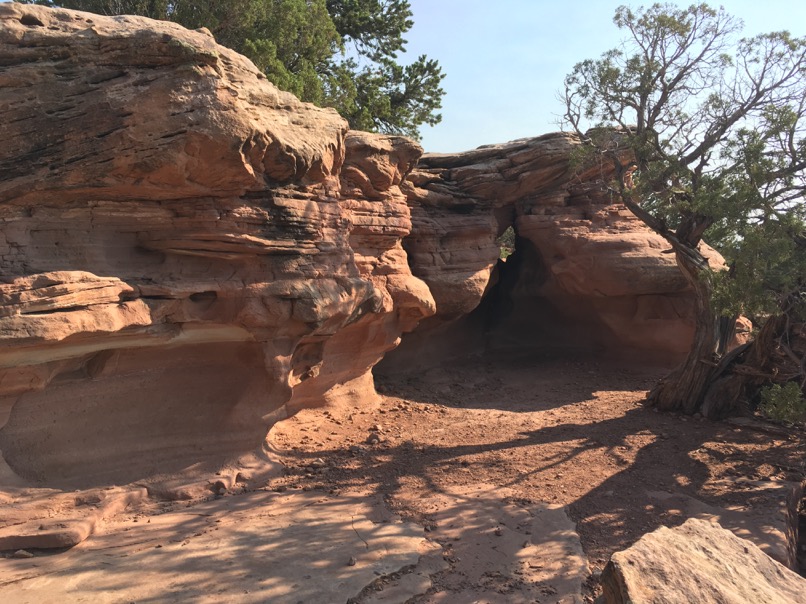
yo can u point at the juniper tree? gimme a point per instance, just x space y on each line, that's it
703 133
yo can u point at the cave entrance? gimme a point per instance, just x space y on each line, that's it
524 313
518 315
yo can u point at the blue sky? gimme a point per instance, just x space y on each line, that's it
505 60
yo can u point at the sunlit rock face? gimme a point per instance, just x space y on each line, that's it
586 277
655 569
188 254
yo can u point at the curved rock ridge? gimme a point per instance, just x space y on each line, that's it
587 275
188 254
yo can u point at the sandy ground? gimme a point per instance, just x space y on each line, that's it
573 433
518 478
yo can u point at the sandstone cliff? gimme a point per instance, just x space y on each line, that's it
190 255
586 277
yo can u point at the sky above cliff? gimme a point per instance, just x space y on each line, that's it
505 61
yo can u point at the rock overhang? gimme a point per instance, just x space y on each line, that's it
190 255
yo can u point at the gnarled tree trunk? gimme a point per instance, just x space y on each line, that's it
776 355
686 387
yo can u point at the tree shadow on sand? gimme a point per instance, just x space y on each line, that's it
653 469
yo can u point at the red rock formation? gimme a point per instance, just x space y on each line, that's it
587 275
188 254
698 561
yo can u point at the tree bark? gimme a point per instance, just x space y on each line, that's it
718 386
685 388
768 359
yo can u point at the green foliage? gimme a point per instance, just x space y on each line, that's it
767 272
783 403
335 53
289 41
506 243
375 27
392 98
713 126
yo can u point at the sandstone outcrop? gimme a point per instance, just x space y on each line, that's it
587 275
698 561
188 254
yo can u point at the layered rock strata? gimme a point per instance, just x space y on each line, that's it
586 274
188 254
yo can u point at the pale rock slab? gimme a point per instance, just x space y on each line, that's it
256 547
698 561
505 551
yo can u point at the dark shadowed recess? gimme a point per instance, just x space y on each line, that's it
522 314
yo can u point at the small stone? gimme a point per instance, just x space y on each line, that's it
23 554
498 531
352 561
373 439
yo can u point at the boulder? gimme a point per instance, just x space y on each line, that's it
698 561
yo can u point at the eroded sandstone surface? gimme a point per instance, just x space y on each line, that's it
698 561
189 255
